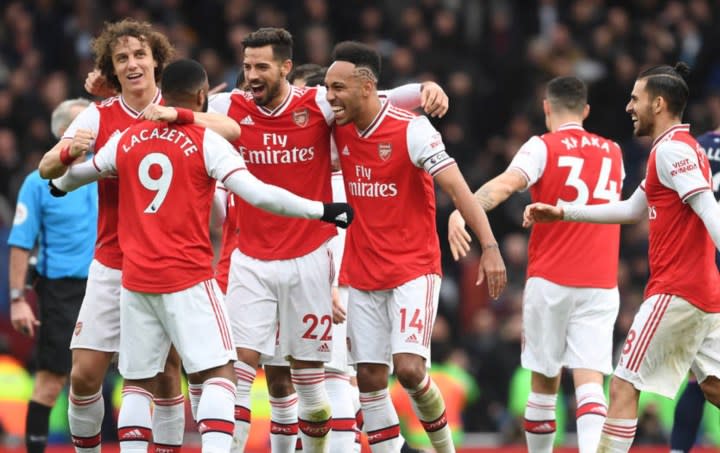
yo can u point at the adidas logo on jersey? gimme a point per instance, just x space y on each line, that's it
411 339
323 348
345 151
133 434
247 121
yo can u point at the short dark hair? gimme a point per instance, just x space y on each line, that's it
280 39
181 79
304 71
315 79
103 45
359 54
568 93
669 83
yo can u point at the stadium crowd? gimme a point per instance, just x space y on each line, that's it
493 59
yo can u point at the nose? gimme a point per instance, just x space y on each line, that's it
628 107
329 95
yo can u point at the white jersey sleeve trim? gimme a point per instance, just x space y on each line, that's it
678 169
530 160
426 147
220 102
323 104
87 119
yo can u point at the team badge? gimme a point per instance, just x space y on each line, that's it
384 150
300 117
78 328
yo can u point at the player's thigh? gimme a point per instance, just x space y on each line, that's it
196 309
590 329
369 327
251 303
144 343
305 307
707 360
661 344
546 313
412 310
98 323
59 305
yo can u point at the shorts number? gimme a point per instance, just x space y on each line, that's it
159 184
605 189
629 342
314 321
415 322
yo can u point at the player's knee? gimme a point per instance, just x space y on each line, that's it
711 389
622 392
410 373
371 377
86 380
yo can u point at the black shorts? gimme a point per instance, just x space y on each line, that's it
59 302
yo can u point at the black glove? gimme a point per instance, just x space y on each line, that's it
341 214
54 191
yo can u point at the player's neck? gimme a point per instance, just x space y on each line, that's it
662 124
557 121
370 112
138 100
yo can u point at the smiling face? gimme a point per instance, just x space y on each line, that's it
641 110
345 92
134 64
265 76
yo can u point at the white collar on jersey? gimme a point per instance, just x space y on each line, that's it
134 113
684 127
571 125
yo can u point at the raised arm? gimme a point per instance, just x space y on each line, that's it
427 95
222 124
631 210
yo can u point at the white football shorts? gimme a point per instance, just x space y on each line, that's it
98 323
282 308
668 336
567 326
194 320
387 322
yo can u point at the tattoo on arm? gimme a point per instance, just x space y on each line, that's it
484 196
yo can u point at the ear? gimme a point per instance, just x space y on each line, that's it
546 107
286 68
586 111
658 104
200 97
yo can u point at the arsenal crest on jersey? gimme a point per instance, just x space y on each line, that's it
384 150
300 117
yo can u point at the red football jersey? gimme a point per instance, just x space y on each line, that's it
106 119
166 174
680 251
388 171
578 168
290 148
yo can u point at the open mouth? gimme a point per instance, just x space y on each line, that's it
258 90
134 76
